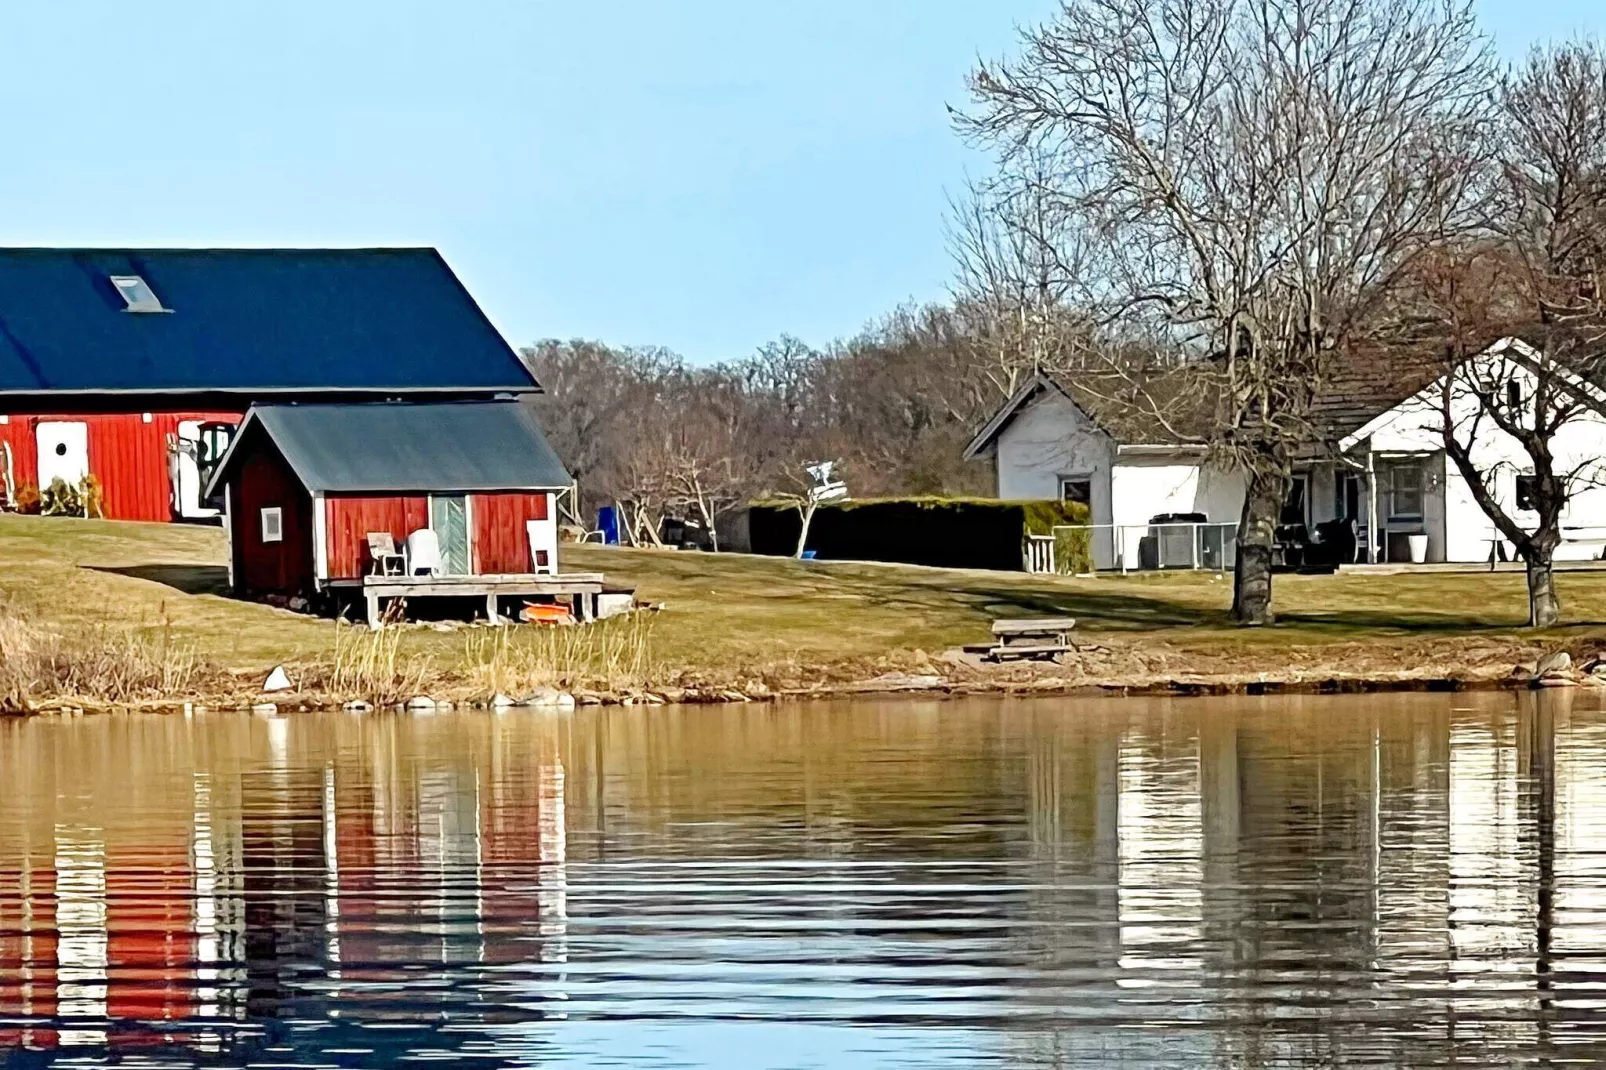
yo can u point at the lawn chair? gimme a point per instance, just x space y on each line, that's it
424 553
385 559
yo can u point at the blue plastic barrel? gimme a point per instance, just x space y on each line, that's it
608 524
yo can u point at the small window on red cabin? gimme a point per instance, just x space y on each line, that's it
273 524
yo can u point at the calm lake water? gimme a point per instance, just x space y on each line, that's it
1401 881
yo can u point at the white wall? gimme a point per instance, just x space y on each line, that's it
1144 488
1139 491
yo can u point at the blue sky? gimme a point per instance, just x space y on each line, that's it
701 174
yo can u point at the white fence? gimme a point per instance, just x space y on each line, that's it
1133 547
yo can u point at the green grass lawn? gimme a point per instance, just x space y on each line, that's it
724 611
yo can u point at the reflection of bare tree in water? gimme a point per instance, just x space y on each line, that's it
1536 756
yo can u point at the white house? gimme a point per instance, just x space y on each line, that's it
1383 456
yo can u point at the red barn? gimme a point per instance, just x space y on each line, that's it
135 366
305 485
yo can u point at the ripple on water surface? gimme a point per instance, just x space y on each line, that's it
1412 880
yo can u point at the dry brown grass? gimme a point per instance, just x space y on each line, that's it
99 665
612 655
371 666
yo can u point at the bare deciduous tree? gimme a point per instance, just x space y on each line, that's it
644 430
1531 272
1244 181
1528 398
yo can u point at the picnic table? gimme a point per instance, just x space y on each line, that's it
1031 637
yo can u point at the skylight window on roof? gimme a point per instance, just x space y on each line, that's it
137 294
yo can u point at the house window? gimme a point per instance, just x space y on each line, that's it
1346 496
1513 397
1527 493
1076 489
1405 492
1293 513
273 525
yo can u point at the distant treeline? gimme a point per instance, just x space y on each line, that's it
893 407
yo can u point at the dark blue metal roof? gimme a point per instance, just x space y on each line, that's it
252 322
407 446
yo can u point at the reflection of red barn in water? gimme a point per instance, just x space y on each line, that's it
106 939
28 952
312 889
150 946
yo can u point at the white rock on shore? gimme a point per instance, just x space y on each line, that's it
549 698
1556 663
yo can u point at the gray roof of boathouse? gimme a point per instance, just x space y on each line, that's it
406 447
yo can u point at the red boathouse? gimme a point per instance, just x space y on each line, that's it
135 366
304 486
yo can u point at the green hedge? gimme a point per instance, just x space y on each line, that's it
945 532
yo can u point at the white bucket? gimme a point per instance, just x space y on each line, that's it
1419 548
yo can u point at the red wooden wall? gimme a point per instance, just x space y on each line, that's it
127 455
263 480
501 543
348 518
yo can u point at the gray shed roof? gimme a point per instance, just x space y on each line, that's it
400 447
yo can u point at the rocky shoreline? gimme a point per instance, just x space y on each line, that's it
1558 668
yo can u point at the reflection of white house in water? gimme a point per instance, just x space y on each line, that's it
1416 851
1383 457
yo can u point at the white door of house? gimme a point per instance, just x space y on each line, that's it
63 452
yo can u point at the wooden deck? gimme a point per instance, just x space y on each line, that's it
580 588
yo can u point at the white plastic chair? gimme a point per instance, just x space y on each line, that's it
543 537
423 553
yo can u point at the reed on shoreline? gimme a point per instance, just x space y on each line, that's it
370 666
610 655
102 664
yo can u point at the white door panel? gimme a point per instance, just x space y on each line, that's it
63 452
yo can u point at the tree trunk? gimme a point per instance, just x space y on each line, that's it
807 513
1257 531
1543 608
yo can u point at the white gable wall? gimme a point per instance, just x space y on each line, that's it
1048 440
1052 439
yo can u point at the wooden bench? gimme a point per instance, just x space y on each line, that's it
1031 637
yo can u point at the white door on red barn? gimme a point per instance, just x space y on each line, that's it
63 452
